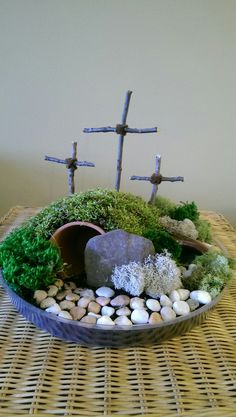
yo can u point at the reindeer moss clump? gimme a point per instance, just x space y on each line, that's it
107 208
28 260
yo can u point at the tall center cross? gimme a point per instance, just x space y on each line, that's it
156 178
71 164
121 129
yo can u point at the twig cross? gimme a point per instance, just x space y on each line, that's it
71 164
156 179
121 130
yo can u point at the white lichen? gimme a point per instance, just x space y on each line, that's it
130 277
158 275
185 228
162 275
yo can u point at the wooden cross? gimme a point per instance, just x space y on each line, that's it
155 179
121 130
71 165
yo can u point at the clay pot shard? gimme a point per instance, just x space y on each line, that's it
71 238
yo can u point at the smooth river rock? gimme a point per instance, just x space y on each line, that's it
203 297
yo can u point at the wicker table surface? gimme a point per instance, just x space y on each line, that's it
188 376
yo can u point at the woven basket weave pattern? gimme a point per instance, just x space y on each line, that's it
190 376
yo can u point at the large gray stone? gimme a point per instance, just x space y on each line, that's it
104 252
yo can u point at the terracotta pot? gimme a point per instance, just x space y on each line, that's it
71 238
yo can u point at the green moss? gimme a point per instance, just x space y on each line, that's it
204 230
28 260
163 240
164 205
185 211
106 208
211 273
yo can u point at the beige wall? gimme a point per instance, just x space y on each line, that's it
66 65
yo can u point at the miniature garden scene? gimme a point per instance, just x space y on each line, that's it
109 259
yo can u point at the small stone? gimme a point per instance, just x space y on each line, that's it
192 267
62 294
167 313
153 305
155 318
108 311
59 283
55 309
84 302
77 312
72 297
47 302
105 320
40 295
120 301
123 311
86 292
174 296
52 290
94 307
70 285
78 290
103 301
139 316
67 305
65 315
105 292
184 294
181 308
203 297
136 303
187 273
97 316
193 304
89 319
165 301
123 321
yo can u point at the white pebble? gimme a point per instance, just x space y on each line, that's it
72 297
105 292
184 294
47 302
155 318
83 302
123 311
139 316
65 315
70 285
181 308
106 320
136 303
165 301
193 304
86 292
153 305
66 305
89 319
107 311
40 295
123 321
174 296
103 301
203 297
94 315
120 301
167 313
52 290
55 309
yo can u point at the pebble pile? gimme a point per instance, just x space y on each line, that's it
105 307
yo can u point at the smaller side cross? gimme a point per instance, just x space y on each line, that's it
156 179
71 164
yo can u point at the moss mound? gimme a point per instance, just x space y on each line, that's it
106 208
